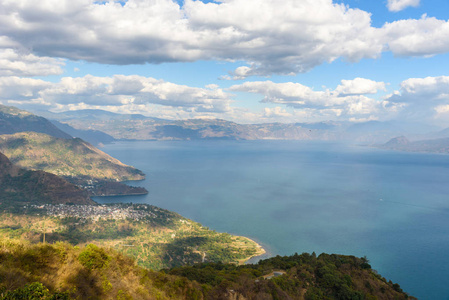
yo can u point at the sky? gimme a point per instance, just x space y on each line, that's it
248 61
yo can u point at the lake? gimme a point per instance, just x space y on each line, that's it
294 196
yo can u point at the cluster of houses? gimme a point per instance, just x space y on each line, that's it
119 211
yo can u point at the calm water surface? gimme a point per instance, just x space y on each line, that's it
294 196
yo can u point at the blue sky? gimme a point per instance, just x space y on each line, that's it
248 61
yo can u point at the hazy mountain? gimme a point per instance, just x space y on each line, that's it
403 144
92 114
396 142
139 127
18 185
93 137
14 120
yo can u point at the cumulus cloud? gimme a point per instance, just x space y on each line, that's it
22 63
398 5
423 37
267 36
347 99
276 112
423 90
118 90
359 86
16 88
423 99
271 36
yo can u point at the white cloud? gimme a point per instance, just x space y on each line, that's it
422 37
423 90
271 36
347 99
118 90
16 88
21 63
424 99
398 5
359 86
266 36
276 112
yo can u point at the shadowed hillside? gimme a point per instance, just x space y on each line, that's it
33 187
14 120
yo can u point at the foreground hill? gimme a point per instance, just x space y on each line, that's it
77 161
14 120
19 186
61 271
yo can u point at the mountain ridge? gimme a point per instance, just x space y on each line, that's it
139 127
13 120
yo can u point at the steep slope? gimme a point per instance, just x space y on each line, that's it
65 272
35 187
65 157
77 161
14 120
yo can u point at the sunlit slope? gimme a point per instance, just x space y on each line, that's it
61 271
155 237
64 157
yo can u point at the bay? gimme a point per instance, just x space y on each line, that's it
295 196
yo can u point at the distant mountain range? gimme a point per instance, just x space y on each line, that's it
403 144
93 137
139 127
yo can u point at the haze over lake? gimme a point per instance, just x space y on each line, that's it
295 196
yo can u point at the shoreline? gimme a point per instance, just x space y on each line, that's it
260 252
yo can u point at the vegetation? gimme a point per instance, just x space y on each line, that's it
20 187
64 157
34 143
304 276
61 271
163 239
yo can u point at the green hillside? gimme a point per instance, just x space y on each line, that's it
61 271
64 157
155 237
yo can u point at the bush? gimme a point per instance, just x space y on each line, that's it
94 257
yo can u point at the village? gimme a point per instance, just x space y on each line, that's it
120 211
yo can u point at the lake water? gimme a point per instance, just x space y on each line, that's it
299 197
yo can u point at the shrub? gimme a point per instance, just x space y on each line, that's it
93 257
